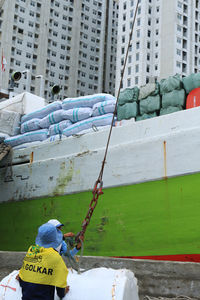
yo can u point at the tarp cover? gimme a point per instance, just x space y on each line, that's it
95 284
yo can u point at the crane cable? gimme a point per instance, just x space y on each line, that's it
97 190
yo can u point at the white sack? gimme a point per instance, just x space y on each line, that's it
52 118
102 108
59 127
77 114
95 284
10 122
43 112
86 101
88 123
38 135
30 125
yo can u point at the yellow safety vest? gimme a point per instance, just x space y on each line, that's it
44 266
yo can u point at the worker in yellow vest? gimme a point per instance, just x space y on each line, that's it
43 268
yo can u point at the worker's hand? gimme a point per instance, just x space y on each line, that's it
17 277
81 239
66 289
68 234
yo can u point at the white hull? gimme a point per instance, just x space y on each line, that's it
165 146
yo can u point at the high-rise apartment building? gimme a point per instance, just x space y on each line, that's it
165 40
66 42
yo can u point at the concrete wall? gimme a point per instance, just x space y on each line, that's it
155 278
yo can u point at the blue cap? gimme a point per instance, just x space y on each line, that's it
48 236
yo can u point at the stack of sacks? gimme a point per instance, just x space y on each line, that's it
127 104
149 101
30 126
173 95
88 111
77 114
191 82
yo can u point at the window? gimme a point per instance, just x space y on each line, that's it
21 20
179 17
19 41
137 68
29 45
19 52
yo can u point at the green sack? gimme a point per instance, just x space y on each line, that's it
191 82
150 89
127 111
150 104
170 84
128 95
174 98
169 110
146 116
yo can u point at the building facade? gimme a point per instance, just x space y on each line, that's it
165 41
67 43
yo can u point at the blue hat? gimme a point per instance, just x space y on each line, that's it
48 236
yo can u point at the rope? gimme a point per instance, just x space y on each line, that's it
120 85
97 190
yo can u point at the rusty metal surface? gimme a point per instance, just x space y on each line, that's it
4 150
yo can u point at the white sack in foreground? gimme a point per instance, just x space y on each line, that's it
95 284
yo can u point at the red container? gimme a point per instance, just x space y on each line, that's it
193 98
